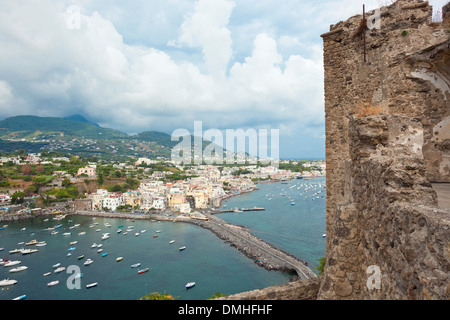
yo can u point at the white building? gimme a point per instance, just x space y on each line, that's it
112 202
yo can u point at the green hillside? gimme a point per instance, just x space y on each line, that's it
32 127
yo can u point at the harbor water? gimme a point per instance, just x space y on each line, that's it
213 265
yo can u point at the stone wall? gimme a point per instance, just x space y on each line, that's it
387 136
297 290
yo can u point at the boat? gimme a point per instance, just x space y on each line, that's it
88 262
136 234
69 254
190 285
14 251
47 274
23 229
41 244
31 243
80 257
28 251
158 231
155 236
53 283
58 226
105 254
12 263
4 261
60 269
7 282
324 235
73 242
119 230
105 236
94 245
56 265
119 259
182 248
142 231
54 232
72 249
66 234
135 265
91 285
99 250
143 270
78 276
18 269
22 297
172 241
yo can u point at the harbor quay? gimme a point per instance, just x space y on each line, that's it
262 253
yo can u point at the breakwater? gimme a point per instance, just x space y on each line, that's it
261 252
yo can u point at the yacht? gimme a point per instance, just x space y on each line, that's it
7 282
53 283
12 263
88 262
190 285
18 269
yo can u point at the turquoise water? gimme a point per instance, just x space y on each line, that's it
296 229
212 264
207 260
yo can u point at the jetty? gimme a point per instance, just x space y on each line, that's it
240 210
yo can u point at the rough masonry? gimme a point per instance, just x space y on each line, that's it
387 139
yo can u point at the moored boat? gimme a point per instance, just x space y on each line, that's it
119 259
88 262
18 269
12 263
7 282
53 283
182 248
135 265
143 270
91 285
60 269
22 297
190 285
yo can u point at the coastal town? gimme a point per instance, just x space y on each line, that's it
37 183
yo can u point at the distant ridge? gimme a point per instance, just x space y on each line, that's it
80 118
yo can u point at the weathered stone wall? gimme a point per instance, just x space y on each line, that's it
297 290
388 136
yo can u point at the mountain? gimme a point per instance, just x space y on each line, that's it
75 135
80 118
39 128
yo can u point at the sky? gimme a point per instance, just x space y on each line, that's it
160 65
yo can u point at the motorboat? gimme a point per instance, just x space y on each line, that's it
172 241
104 254
91 285
136 265
119 259
47 274
12 263
18 269
53 283
190 285
28 251
88 262
7 282
182 248
14 251
80 257
143 270
60 269
22 297
31 243
56 265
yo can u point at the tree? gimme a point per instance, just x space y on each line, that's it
18 197
26 169
321 265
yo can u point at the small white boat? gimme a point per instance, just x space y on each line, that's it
12 263
53 283
182 248
190 285
47 274
82 233
105 236
172 241
94 245
88 262
99 250
18 269
135 265
14 251
7 282
66 234
142 231
91 285
60 269
73 242
324 235
136 234
28 251
56 265
119 259
158 231
22 297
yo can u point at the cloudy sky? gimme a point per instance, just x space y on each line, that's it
159 65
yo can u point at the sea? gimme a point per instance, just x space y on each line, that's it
212 264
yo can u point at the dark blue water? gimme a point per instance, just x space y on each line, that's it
208 261
296 229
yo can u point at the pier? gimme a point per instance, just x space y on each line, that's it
240 210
